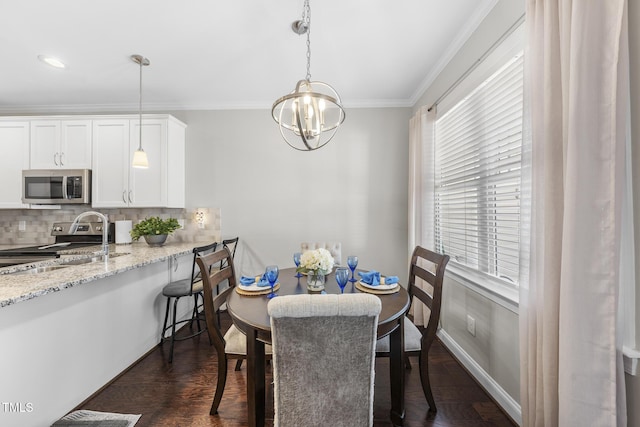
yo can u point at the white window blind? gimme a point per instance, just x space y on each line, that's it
477 175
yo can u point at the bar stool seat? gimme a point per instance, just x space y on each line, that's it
181 288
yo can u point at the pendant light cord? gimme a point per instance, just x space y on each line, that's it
140 108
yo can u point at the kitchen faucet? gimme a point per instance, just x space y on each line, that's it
105 229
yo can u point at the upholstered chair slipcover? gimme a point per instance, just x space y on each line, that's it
323 359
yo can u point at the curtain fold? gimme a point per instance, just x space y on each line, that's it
576 102
421 179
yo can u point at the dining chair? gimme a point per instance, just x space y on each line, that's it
232 344
429 267
323 359
334 248
175 290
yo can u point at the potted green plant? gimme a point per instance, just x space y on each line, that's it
154 230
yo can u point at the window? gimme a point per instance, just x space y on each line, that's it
477 176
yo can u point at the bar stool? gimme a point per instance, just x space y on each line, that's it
185 288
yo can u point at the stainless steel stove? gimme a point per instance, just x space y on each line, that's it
88 234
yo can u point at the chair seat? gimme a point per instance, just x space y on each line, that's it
412 339
181 288
236 342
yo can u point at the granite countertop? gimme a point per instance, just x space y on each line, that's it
15 288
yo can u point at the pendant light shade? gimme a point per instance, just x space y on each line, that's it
140 157
309 116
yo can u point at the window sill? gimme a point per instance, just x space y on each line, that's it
631 358
505 295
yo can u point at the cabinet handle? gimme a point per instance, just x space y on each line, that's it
55 159
124 196
61 159
130 200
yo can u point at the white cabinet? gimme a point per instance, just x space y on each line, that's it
117 184
62 144
14 146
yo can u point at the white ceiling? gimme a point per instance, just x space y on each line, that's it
211 54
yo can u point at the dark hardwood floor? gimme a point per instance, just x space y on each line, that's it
180 394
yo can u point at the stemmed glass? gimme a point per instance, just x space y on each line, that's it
271 274
342 277
296 260
352 262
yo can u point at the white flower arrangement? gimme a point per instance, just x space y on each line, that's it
316 261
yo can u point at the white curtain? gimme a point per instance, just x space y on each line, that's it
576 107
421 178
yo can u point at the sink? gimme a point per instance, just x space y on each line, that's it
65 264
98 258
43 269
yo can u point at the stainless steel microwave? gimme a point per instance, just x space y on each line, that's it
56 186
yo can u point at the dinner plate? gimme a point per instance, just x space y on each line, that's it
254 287
379 287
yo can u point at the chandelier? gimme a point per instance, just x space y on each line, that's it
309 116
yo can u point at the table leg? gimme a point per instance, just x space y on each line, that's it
255 380
396 369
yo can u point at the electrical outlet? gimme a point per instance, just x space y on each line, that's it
471 325
181 222
22 225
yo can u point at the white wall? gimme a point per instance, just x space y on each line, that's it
354 190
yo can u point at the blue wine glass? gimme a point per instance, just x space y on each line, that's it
271 273
296 260
352 262
342 277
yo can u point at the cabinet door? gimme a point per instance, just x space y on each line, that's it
14 145
75 144
45 144
110 175
149 186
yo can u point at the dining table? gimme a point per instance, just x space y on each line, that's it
249 313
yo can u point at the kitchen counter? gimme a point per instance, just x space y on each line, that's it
15 288
66 333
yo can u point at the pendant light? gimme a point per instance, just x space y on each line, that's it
309 116
140 157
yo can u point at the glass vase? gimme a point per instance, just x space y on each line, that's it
315 281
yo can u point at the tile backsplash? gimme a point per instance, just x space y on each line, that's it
38 223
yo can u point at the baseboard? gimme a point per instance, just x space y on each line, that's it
501 397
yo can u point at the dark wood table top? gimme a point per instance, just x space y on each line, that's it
251 311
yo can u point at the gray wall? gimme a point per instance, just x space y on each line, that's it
354 190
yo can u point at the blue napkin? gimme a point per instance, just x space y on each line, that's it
370 278
391 280
250 280
373 278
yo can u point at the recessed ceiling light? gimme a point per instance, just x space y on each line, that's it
50 60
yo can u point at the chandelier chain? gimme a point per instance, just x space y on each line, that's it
306 18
